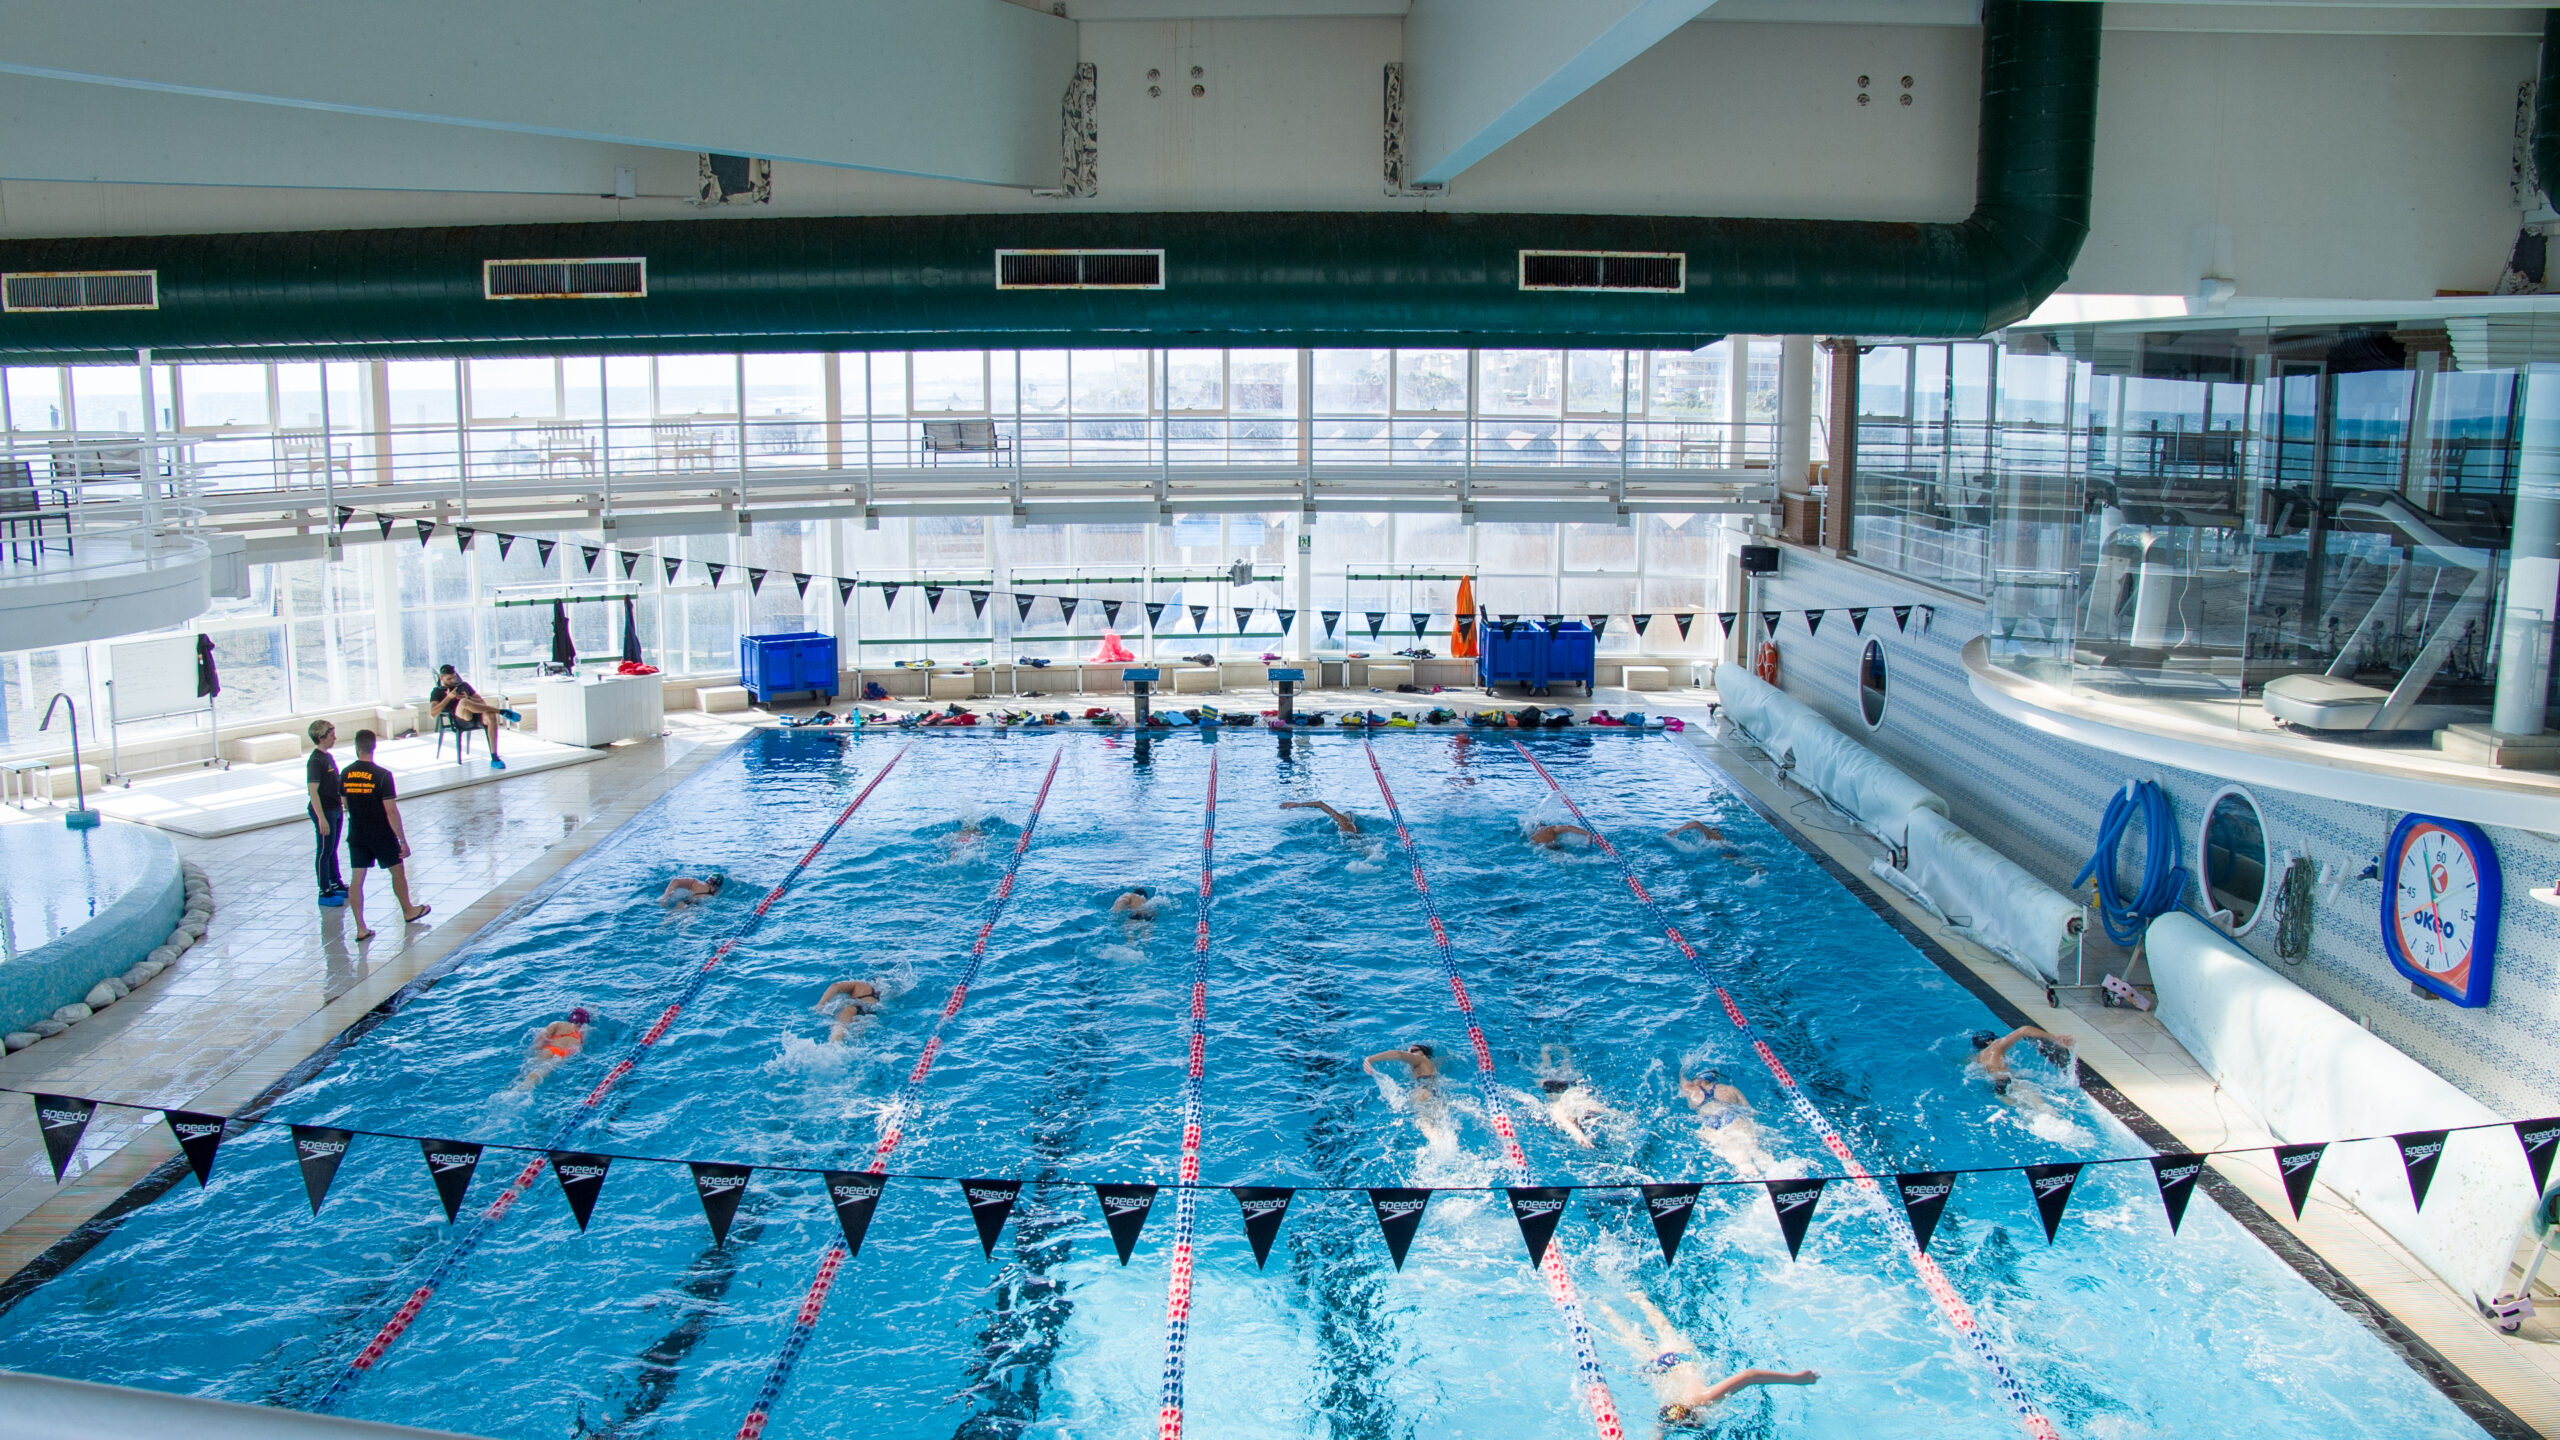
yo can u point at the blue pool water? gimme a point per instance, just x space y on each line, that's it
1066 1065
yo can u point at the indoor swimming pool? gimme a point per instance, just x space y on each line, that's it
1030 1034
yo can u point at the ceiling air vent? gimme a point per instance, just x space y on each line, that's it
625 279
1079 269
1663 274
80 290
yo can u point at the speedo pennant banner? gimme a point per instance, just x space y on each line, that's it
933 598
1022 606
755 580
542 553
199 1136
62 1119
990 1201
450 1164
1399 1211
844 591
426 532
2539 1138
1795 1201
889 596
2419 1152
1331 618
1670 1207
1645 619
1376 618
2298 1164
2177 1176
855 1194
2052 1184
630 562
1199 617
591 553
1067 607
463 535
1111 611
978 603
1724 618
345 514
1124 1209
1421 621
1538 1208
387 521
1769 623
1902 617
581 1179
673 564
319 1149
1288 620
800 583
1265 1206
721 1187
1599 626
1155 611
1924 1199
1684 620
714 569
1858 619
1813 621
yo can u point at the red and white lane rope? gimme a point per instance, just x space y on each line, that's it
1950 1302
463 1246
1586 1359
1177 1292
814 1302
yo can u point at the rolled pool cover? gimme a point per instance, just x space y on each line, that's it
1881 798
1989 898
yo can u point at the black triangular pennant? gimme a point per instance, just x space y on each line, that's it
1399 1211
1553 621
386 521
1924 1198
2298 1164
714 568
1111 611
449 1164
1599 625
1796 1201
1858 619
199 1136
1124 1209
1199 617
542 553
1670 1205
721 1187
1022 606
61 1119
1538 1208
2419 1152
1724 618
2052 1184
1265 1206
800 582
844 590
1769 622
1331 618
581 1179
1641 621
345 514
1813 621
319 1149
1376 618
1244 617
1902 617
1684 620
1155 613
933 599
978 602
505 542
463 535
592 554
888 597
990 1201
2177 1175
1067 607
755 580
630 562
2539 1138
673 564
426 532
1421 621
1288 619
855 1194
2051 1187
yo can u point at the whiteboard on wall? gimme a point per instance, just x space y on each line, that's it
153 677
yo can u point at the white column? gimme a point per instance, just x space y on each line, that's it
1737 398
2533 564
1302 645
1795 412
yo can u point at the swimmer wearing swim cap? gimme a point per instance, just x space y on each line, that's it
1991 1052
847 1001
685 890
553 1047
1136 903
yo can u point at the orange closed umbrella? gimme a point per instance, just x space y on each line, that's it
1462 629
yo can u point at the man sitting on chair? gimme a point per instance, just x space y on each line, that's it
454 696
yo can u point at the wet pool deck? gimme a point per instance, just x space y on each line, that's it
272 984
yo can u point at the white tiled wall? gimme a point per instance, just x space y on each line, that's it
2038 799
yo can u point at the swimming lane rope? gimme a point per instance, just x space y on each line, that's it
460 1250
805 1321
1177 1291
1951 1304
1595 1387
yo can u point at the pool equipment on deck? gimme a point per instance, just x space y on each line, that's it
2164 880
1287 682
1139 680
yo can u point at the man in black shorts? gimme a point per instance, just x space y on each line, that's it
375 836
328 817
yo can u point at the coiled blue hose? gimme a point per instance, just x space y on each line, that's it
2164 880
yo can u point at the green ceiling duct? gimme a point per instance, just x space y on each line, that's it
928 282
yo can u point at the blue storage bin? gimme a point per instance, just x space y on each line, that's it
771 665
1573 653
1519 658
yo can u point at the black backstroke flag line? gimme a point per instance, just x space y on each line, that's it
1538 1208
1924 1199
1199 617
2539 1138
1902 617
1264 1206
1155 612
2052 1184
1684 620
1376 618
990 1201
800 582
199 1136
1124 1210
1858 618
1795 1201
889 597
450 1164
1399 1211
1111 611
714 568
855 1194
2419 1152
1670 1206
673 564
581 1180
1022 604
387 522
593 553
630 562
426 532
978 603
62 1118
1646 618
844 591
320 1150
1288 619
721 1187
1421 621
2177 1176
2297 1164
933 598
1331 618
1813 621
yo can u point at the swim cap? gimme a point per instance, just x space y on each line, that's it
579 1016
1982 1039
1420 1049
1711 1078
1555 1087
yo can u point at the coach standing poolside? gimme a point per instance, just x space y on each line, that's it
375 836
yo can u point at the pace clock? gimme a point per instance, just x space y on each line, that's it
2440 890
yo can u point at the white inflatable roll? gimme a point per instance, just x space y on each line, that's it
1826 762
1990 899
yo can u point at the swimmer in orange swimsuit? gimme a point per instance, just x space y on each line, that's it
552 1048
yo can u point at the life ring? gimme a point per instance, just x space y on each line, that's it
1766 665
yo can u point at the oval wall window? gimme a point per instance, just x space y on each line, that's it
1871 684
2232 859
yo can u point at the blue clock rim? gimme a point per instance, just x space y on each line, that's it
2484 949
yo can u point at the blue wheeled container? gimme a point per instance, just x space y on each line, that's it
771 665
1573 653
1518 658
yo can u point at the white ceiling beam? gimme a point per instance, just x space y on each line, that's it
955 90
1478 73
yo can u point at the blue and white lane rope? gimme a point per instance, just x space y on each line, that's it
1594 1386
461 1249
1951 1304
1177 1294
910 1096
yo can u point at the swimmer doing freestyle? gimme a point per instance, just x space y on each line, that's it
684 889
1715 841
1992 1054
1670 1362
847 1001
1552 837
553 1047
1342 822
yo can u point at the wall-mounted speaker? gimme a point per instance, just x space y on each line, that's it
1759 559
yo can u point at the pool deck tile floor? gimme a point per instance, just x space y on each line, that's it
269 987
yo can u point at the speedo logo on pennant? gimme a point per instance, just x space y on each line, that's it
2543 1136
1398 1209
56 1119
1796 1201
1926 1192
720 1182
314 1149
1667 1205
2295 1162
2051 1183
2422 1152
1264 1207
852 1191
582 1172
988 1197
2176 1173
1526 1208
1125 1204
450 1159
197 1130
